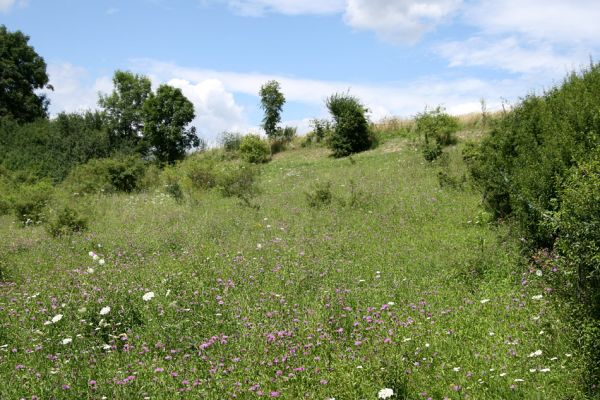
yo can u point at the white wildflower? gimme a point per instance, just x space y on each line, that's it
148 296
536 353
385 393
95 257
456 369
67 341
484 301
56 318
545 370
91 254
101 262
539 272
105 310
519 380
90 270
537 297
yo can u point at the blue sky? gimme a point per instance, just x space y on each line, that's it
397 56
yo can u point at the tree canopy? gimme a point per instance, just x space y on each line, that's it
123 109
272 101
166 115
22 72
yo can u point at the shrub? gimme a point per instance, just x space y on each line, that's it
351 132
254 150
282 138
238 180
578 226
230 141
171 183
436 125
431 151
30 201
66 221
320 195
123 174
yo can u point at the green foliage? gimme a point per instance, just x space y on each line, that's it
283 138
238 180
50 149
65 222
230 141
166 115
531 149
320 195
171 183
431 151
322 129
254 150
22 73
438 126
30 201
351 132
123 109
108 175
271 101
578 227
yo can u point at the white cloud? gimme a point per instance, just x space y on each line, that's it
382 100
396 21
72 92
288 7
400 20
6 5
215 108
510 54
557 21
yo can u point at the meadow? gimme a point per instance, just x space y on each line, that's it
402 282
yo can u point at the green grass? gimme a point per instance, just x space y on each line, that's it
406 288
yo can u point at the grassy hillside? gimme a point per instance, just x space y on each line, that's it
399 283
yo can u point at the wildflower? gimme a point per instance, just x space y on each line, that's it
95 257
539 272
91 254
536 353
148 296
90 270
484 301
101 262
545 370
274 394
385 393
105 310
456 369
537 297
67 341
519 380
56 318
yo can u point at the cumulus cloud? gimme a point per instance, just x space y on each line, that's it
73 90
215 108
401 20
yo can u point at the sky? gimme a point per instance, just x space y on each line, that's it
397 56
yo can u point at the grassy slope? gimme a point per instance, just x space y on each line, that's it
291 296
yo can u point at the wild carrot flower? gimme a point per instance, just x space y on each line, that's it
148 296
105 310
385 393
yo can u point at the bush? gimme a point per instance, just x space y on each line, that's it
431 151
320 196
438 126
123 174
351 132
578 226
230 141
283 137
171 183
238 180
66 221
30 201
254 150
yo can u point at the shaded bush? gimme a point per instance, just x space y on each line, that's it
108 175
65 222
254 150
230 141
282 138
437 126
351 132
238 180
30 201
320 195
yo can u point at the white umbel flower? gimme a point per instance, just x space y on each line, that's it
105 310
385 393
148 296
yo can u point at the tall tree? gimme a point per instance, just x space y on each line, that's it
123 109
22 72
272 101
166 115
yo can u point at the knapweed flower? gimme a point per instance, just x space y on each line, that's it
385 393
105 310
148 296
56 318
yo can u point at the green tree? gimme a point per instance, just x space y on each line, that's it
351 131
22 71
123 110
166 115
272 101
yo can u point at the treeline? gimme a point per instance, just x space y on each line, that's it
540 167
